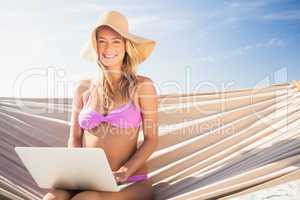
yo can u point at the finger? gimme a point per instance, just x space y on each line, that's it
121 180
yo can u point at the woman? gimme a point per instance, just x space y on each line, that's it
108 113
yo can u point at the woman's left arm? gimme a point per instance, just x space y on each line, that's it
148 101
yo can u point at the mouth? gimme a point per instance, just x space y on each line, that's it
109 56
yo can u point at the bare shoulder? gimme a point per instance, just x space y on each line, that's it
145 87
82 85
142 79
146 90
145 84
80 90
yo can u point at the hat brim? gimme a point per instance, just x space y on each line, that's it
143 45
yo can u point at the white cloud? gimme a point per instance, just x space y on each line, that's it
237 11
240 51
285 15
273 42
207 59
124 7
249 5
157 24
138 23
246 4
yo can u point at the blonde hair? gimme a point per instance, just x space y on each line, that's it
104 93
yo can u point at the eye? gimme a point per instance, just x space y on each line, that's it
117 41
101 41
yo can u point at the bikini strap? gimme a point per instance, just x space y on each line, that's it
87 101
132 95
87 95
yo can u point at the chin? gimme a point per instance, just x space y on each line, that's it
111 65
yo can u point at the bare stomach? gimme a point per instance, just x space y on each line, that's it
119 144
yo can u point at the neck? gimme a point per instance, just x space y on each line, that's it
115 73
115 77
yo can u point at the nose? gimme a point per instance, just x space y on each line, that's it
108 46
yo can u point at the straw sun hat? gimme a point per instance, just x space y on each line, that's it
119 23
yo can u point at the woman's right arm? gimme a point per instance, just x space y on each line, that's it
75 136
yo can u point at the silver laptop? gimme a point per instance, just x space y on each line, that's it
69 168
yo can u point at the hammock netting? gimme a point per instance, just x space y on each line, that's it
216 145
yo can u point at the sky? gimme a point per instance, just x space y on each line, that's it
200 45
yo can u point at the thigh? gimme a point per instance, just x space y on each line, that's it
60 194
138 191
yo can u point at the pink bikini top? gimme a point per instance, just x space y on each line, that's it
125 116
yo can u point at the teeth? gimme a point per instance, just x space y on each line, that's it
109 56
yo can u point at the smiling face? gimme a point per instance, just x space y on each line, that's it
111 47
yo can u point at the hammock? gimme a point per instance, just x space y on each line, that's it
211 145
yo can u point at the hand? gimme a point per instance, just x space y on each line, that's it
121 175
